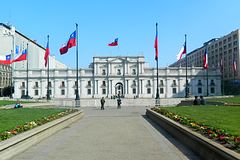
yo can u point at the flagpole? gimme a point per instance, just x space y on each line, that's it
48 93
77 92
27 96
186 85
156 49
207 83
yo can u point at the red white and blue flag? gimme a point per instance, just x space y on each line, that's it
20 57
71 43
5 59
234 63
114 43
205 59
156 44
182 51
47 53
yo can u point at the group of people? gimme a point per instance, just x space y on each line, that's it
119 102
198 101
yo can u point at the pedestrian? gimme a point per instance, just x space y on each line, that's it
102 103
119 102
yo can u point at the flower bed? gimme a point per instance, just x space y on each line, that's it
216 134
29 125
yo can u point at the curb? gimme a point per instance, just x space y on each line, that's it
204 147
21 142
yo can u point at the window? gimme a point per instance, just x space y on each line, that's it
149 91
89 91
118 72
49 84
149 83
133 71
212 90
75 91
161 82
89 83
63 84
134 91
174 83
36 84
23 84
174 90
199 90
199 82
36 92
103 83
161 90
103 91
50 92
134 83
212 82
103 72
63 92
75 83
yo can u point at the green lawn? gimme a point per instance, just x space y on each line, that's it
225 100
10 118
222 117
6 102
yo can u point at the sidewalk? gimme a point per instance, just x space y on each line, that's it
110 134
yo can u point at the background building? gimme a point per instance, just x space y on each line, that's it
225 49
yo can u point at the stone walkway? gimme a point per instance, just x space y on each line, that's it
110 134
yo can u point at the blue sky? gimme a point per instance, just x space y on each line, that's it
132 21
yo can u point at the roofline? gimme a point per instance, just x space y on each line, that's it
8 27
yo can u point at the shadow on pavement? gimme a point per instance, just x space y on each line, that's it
185 150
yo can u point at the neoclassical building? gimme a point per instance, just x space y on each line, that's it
127 76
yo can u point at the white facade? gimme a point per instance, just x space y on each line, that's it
127 76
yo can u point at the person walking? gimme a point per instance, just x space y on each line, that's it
102 103
119 102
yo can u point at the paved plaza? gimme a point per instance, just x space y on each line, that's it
110 134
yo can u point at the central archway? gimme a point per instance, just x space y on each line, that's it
119 89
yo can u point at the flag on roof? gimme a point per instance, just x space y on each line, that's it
47 53
20 57
114 43
205 59
72 41
5 59
182 51
156 44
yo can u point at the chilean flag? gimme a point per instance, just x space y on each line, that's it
114 43
156 44
234 64
205 60
71 43
21 57
47 53
5 59
182 51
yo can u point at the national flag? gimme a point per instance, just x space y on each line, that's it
5 59
21 57
71 43
182 51
205 60
234 64
47 53
114 43
156 44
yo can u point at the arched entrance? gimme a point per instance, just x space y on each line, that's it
119 89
